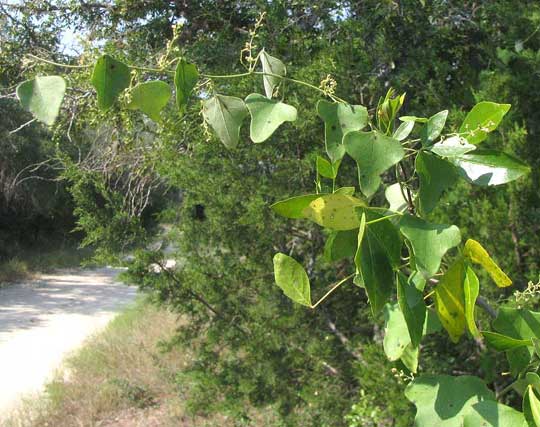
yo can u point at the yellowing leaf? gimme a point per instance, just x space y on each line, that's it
477 254
471 289
450 301
335 211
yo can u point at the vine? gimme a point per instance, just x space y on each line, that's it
398 254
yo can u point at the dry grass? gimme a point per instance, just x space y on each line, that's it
120 378
28 264
13 270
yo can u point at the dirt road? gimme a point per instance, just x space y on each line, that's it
42 321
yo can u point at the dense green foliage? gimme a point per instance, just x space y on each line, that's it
257 347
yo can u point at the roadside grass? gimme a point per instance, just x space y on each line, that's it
121 377
26 264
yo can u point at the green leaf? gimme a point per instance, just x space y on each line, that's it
413 119
519 324
534 380
42 96
536 344
292 279
471 289
403 131
340 245
531 407
377 256
327 169
489 167
361 232
501 342
150 98
450 300
493 414
396 334
436 175
481 120
271 65
413 307
452 147
374 153
394 197
185 79
446 401
294 206
429 242
410 358
340 118
433 128
334 211
347 191
110 78
225 115
477 254
267 115
397 342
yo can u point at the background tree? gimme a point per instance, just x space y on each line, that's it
443 55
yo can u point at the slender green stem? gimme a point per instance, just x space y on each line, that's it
134 67
337 285
429 294
47 61
209 76
151 70
383 218
227 76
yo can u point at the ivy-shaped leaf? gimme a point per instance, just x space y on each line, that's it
374 153
429 242
340 118
376 258
445 401
334 211
225 115
452 147
292 279
294 206
413 307
481 120
150 98
110 78
477 254
489 167
271 65
519 324
42 96
267 115
327 169
185 79
436 175
433 128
